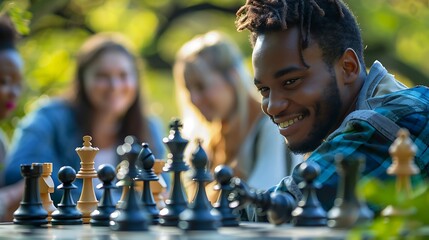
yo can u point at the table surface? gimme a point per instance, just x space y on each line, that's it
244 231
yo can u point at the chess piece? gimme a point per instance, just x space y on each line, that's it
309 212
200 215
132 216
101 216
66 213
177 202
278 204
47 187
147 175
31 211
87 202
223 175
348 209
402 152
130 148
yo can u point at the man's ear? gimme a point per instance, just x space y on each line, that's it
349 66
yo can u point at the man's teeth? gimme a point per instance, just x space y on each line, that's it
290 122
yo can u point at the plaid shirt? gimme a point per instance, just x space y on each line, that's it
370 130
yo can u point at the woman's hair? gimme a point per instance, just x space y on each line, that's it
8 35
134 122
211 52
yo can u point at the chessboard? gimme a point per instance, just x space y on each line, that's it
246 230
139 215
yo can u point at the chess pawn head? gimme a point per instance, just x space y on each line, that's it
67 175
106 173
223 175
308 171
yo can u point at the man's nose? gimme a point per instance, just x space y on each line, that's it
276 104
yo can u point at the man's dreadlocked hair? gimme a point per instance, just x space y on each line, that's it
329 22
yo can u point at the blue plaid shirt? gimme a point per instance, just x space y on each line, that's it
370 130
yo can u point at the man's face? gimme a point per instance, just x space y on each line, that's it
303 101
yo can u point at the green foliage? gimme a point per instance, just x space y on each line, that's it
17 13
382 194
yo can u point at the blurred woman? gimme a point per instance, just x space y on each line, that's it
106 104
11 78
220 105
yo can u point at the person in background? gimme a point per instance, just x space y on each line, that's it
220 106
105 103
11 78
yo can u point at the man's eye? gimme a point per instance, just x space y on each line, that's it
290 81
262 89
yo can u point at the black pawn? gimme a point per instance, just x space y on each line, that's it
309 212
101 216
131 216
31 211
147 160
200 215
66 213
177 201
223 176
348 209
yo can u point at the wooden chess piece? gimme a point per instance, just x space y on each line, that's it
177 201
348 209
132 215
47 187
101 216
31 211
147 176
402 152
87 202
200 215
223 175
66 213
309 212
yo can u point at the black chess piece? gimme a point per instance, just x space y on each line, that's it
200 215
278 205
177 201
147 160
348 209
66 213
31 211
132 216
129 149
101 216
223 176
309 212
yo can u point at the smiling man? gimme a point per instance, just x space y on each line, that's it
310 70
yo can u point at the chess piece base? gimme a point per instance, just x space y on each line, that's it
66 221
122 220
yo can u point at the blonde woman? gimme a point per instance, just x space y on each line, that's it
219 104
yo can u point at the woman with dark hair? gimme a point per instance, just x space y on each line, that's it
105 104
10 89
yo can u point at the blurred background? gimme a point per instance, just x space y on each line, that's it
396 32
